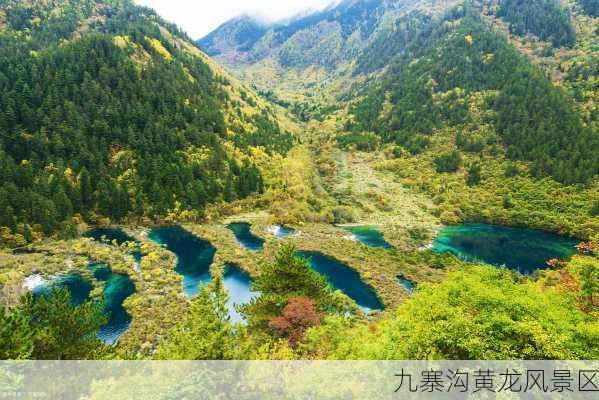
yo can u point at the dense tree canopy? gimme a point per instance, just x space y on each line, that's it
477 313
118 122
390 43
205 333
425 89
544 18
51 327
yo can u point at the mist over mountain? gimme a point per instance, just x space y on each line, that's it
238 34
381 41
333 25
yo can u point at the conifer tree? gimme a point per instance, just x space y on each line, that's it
288 276
63 330
473 177
51 327
589 277
15 335
205 333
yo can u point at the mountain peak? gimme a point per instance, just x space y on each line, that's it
246 38
237 34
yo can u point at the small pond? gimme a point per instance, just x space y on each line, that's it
370 236
78 287
280 232
238 284
245 237
407 284
523 250
117 288
344 278
194 256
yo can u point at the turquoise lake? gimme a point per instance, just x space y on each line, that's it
117 288
523 250
78 287
371 236
238 284
245 237
345 279
194 256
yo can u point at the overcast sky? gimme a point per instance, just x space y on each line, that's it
199 17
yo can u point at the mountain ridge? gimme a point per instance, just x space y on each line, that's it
306 64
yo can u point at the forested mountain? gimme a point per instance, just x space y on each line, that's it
429 85
425 63
238 34
323 38
341 32
389 179
544 18
108 111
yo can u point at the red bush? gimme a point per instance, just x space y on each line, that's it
298 315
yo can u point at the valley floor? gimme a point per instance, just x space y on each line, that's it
358 189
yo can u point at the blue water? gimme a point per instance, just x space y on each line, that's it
524 250
407 284
109 234
282 232
245 237
369 235
102 272
194 256
78 287
238 284
117 288
344 278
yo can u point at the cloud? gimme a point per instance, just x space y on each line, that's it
200 17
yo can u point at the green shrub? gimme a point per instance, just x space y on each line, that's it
448 162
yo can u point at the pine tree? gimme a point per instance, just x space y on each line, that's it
62 330
448 162
474 177
85 189
205 333
15 335
288 276
64 208
229 193
51 327
589 278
